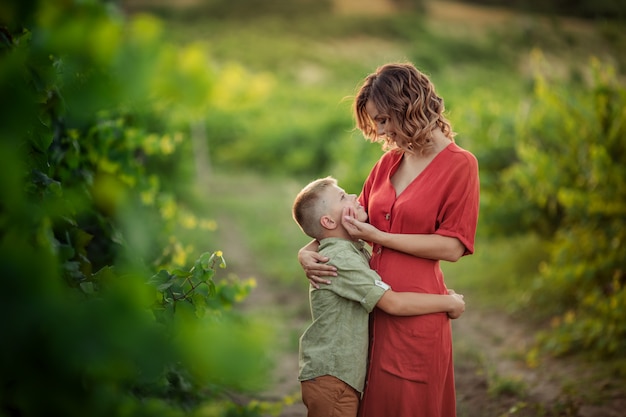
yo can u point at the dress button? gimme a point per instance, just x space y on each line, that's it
387 216
379 250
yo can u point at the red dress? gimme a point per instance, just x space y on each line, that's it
410 370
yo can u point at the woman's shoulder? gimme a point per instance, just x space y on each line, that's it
384 163
389 157
462 154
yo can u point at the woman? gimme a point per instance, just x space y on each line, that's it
422 201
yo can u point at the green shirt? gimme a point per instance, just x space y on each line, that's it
336 343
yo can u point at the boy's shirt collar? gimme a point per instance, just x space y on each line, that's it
358 244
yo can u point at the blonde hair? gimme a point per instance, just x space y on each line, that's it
407 99
309 207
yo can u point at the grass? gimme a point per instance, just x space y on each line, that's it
260 206
499 273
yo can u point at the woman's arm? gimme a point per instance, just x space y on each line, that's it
413 304
314 264
432 246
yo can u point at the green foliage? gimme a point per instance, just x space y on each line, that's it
304 145
505 386
571 173
91 148
305 126
196 287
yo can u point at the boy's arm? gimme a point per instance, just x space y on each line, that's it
415 304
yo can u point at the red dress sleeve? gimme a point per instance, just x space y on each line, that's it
458 215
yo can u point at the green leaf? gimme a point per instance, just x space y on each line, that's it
197 277
200 304
104 274
185 310
205 260
166 313
164 286
212 289
87 287
180 273
159 278
208 275
66 252
81 240
203 290
72 268
177 286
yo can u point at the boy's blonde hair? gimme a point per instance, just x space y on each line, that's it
309 207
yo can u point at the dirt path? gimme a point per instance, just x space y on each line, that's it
275 304
500 382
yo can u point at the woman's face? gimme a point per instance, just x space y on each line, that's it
384 128
382 122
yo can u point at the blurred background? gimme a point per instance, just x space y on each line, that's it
150 152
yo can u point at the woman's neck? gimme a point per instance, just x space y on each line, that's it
438 143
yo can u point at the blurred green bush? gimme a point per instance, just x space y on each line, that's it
94 146
571 171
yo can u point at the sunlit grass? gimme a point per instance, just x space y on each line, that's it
500 272
259 207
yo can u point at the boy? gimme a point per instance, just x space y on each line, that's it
333 349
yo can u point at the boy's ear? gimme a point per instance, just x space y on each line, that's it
327 222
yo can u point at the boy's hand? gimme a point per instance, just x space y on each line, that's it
458 305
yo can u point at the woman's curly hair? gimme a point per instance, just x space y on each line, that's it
406 98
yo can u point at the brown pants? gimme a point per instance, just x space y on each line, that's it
327 396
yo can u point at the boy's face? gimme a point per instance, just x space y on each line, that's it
338 200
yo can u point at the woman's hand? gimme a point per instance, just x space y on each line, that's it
458 306
315 267
357 229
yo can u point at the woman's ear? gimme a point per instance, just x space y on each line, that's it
328 222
